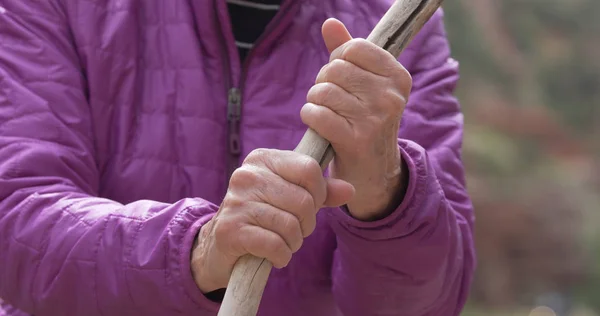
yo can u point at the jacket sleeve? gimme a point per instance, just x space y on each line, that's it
63 249
419 260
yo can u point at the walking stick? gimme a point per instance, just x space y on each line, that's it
394 31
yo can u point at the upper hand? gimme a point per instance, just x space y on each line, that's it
270 206
356 104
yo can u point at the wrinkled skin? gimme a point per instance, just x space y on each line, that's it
273 198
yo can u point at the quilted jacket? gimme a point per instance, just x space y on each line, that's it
121 119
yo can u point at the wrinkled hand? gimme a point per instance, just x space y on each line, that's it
270 207
356 104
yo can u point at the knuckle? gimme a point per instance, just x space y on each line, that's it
282 258
310 166
293 232
403 79
287 257
276 247
225 228
310 228
290 225
281 247
320 93
396 101
297 245
337 64
243 177
355 46
322 74
306 203
310 112
335 69
257 156
232 202
405 74
323 68
309 171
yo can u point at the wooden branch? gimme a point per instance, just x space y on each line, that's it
394 31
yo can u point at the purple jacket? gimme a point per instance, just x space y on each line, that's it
115 145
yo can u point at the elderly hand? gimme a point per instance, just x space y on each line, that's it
356 104
270 206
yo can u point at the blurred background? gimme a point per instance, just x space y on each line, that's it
530 91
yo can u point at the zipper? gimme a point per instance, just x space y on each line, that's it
234 109
283 10
235 93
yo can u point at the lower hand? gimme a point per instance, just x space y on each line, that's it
356 104
270 207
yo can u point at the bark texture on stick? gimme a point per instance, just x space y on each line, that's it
395 30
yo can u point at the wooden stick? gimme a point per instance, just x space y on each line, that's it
394 31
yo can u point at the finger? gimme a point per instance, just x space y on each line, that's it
334 34
327 123
281 222
331 95
263 243
367 56
351 78
293 199
293 167
339 192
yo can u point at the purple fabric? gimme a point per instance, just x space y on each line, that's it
113 154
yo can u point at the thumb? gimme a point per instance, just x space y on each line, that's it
334 34
339 192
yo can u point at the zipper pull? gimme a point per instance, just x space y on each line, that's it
234 105
233 117
235 147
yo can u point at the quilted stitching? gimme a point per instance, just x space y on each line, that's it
132 103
